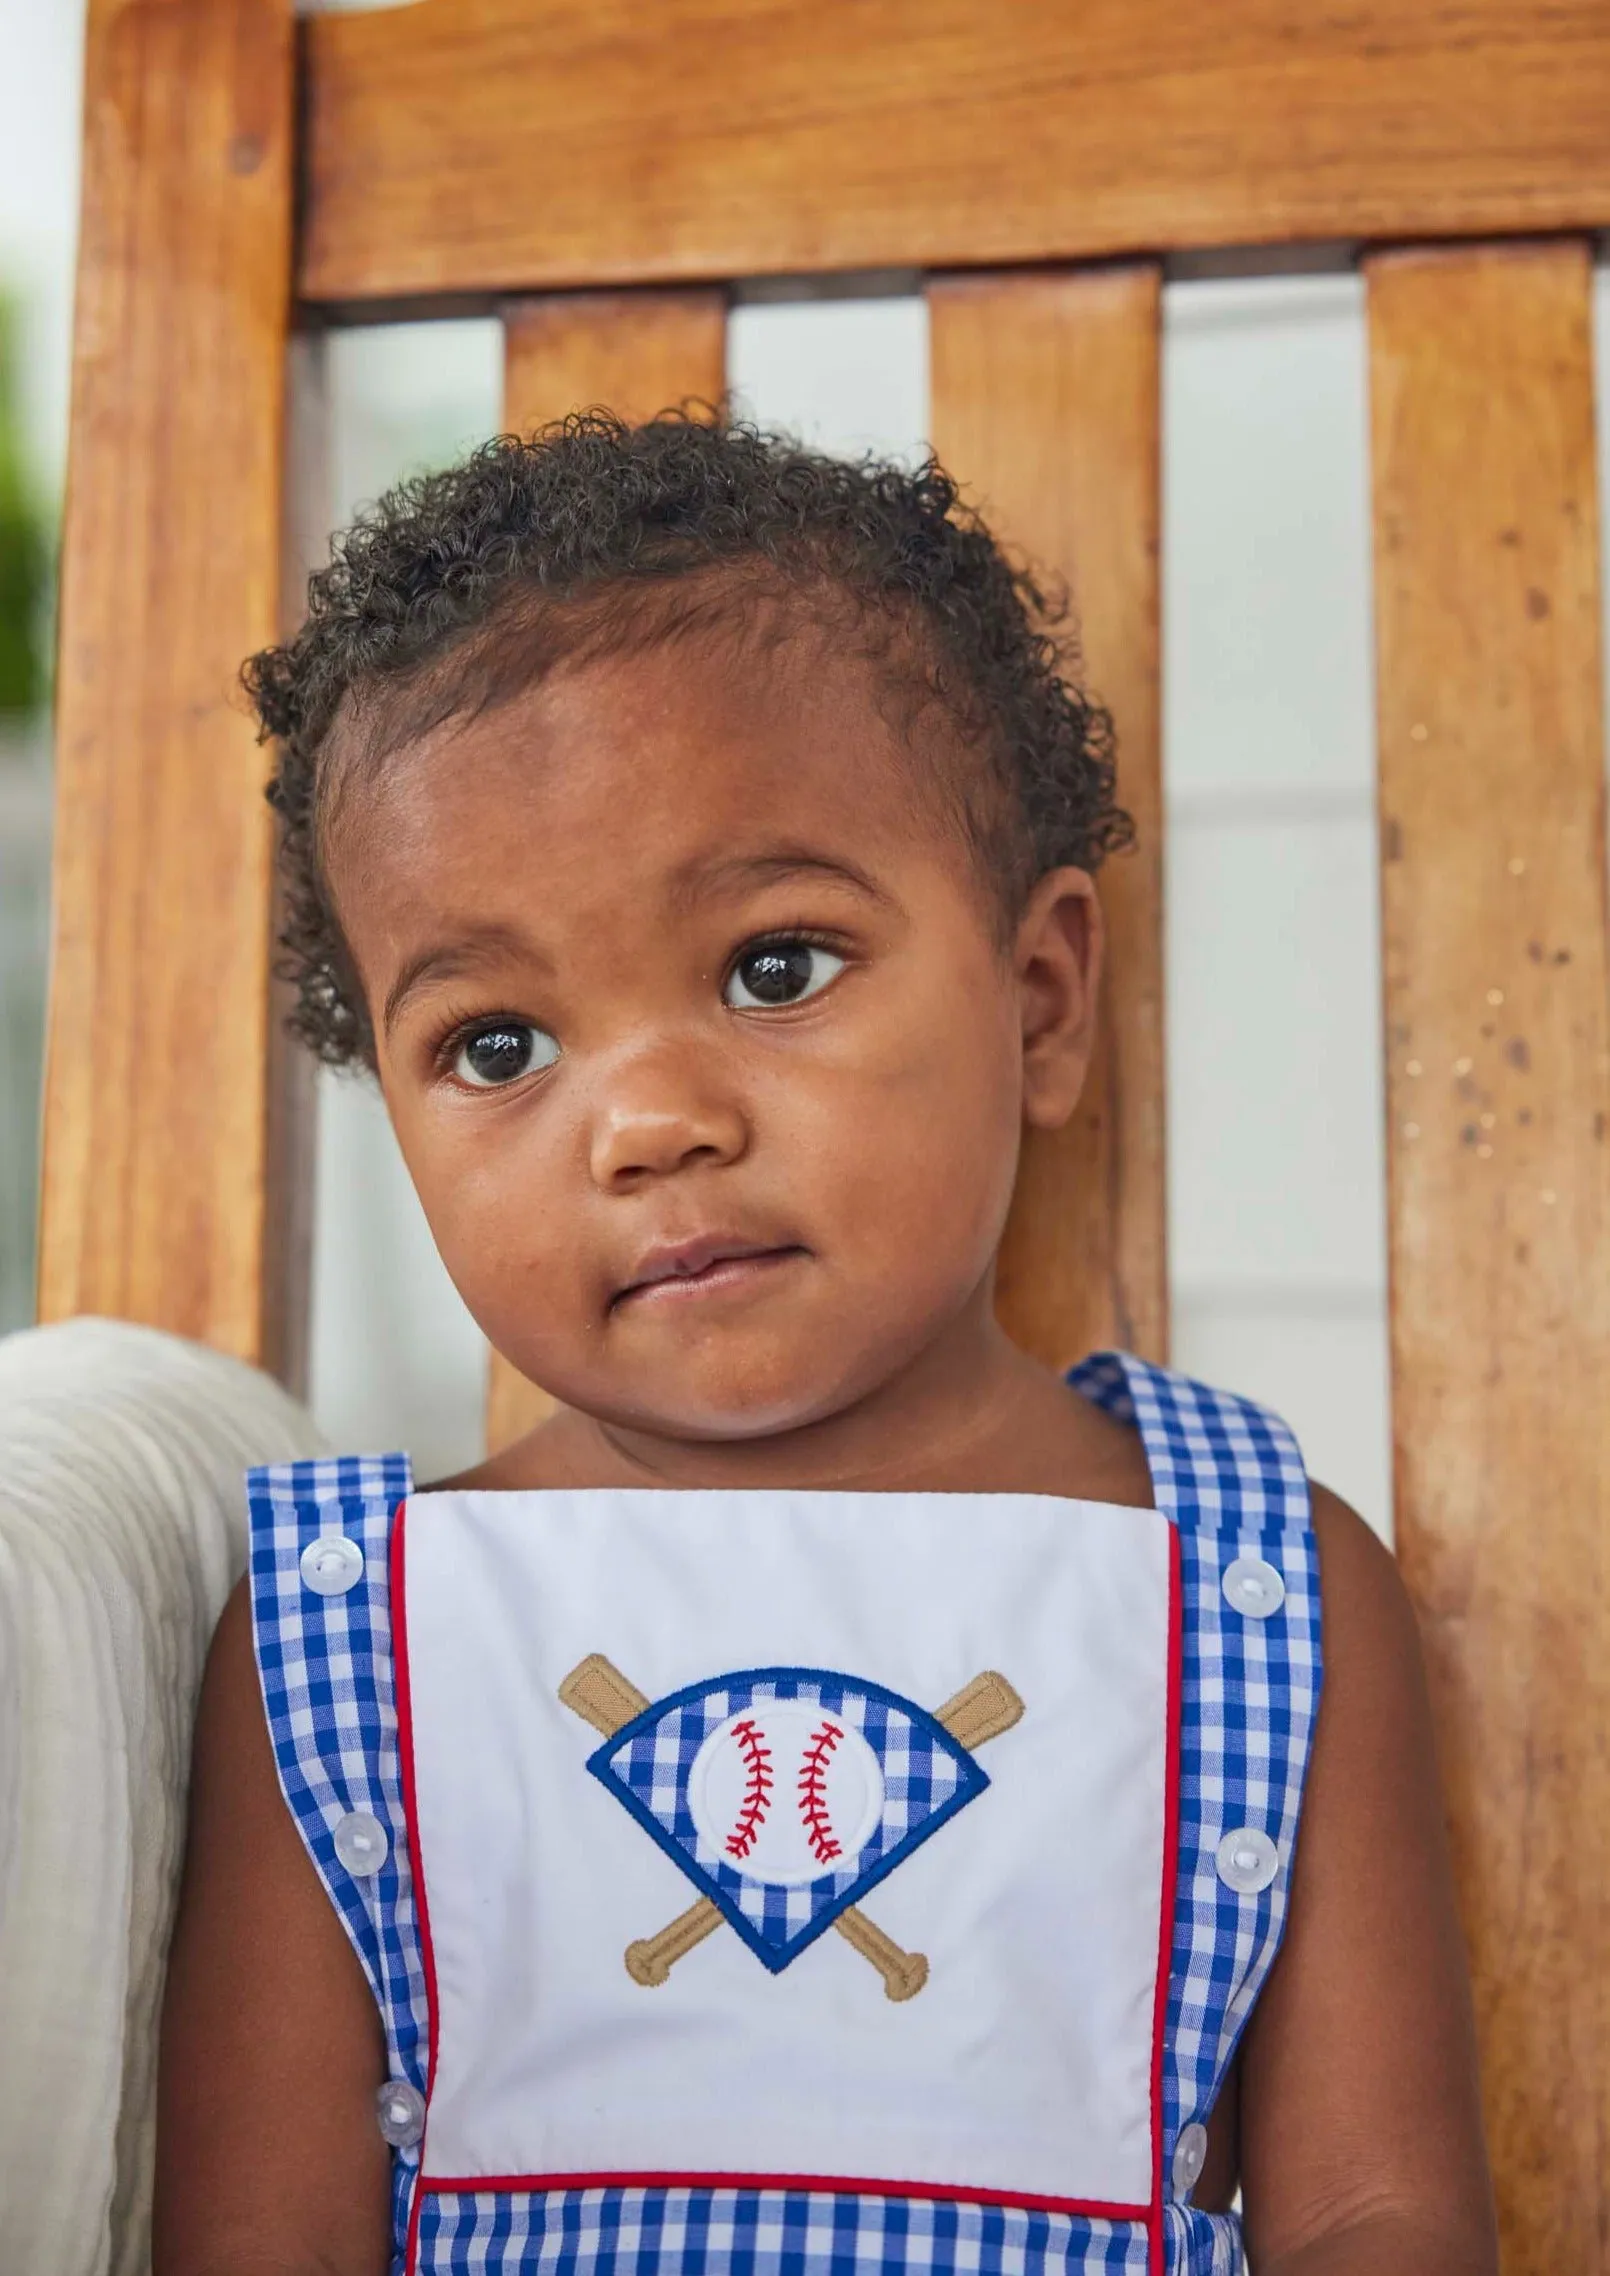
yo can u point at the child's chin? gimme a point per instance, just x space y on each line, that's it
731 1403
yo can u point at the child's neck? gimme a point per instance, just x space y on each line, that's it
971 1413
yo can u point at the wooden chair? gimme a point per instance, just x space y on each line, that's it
601 171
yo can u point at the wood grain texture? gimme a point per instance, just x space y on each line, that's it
493 145
157 1170
632 352
1045 405
1493 895
635 353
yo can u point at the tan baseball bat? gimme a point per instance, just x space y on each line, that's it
651 1959
597 1691
980 1711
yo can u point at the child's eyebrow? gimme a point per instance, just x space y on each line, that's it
728 872
476 946
481 944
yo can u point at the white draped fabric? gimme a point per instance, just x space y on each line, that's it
122 1529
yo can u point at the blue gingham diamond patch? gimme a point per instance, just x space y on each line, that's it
785 1794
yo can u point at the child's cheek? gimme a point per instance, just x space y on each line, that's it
905 1140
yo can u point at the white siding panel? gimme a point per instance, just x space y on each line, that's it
847 376
1276 1179
1267 668
1274 1060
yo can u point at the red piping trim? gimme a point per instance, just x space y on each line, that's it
836 2185
1165 1957
405 1755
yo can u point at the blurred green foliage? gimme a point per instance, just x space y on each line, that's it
25 552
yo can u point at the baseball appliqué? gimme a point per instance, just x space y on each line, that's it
786 1792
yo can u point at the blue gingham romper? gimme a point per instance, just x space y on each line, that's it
1229 1477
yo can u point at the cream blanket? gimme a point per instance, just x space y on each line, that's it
122 1530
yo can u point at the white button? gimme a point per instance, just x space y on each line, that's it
1253 1587
1190 2155
400 2109
1247 1860
361 1842
332 1564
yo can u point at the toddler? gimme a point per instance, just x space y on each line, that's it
837 1796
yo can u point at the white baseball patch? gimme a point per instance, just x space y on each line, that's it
786 1792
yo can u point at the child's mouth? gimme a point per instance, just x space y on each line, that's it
710 1266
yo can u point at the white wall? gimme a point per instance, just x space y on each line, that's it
1276 1171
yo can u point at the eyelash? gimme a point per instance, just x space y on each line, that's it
453 1039
779 937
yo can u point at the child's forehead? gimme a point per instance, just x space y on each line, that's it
646 796
732 621
678 750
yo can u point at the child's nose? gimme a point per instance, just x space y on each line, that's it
655 1122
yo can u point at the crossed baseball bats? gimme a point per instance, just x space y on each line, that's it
597 1691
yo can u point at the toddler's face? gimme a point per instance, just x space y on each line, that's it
697 1035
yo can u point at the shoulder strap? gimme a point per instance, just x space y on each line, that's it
1229 1475
330 1478
321 1624
1213 1457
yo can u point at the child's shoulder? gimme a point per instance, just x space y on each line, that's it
1356 1565
1374 1674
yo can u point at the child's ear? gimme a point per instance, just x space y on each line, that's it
1058 967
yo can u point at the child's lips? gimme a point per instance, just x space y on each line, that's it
680 1271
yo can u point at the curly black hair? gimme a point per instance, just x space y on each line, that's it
461 586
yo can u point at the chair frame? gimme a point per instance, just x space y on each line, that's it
603 174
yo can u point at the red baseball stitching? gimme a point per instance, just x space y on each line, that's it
757 1789
813 1793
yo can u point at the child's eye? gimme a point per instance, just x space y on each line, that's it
780 972
501 1052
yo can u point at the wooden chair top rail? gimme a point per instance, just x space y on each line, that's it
485 146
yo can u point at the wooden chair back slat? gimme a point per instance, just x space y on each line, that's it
159 1144
1492 795
637 353
632 352
1045 404
477 145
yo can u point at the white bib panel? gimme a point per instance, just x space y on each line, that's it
813 1636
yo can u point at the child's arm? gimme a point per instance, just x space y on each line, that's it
269 2159
1361 2144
